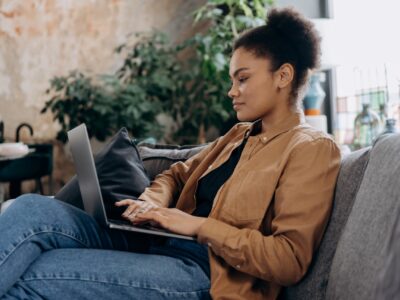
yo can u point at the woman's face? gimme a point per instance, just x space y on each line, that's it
255 88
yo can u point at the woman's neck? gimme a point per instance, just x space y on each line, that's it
276 117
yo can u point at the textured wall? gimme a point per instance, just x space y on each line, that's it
40 39
43 38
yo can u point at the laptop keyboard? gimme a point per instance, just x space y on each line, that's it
144 226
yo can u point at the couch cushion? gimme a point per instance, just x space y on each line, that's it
120 171
158 158
314 284
360 252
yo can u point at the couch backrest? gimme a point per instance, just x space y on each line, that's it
360 253
314 284
388 286
158 158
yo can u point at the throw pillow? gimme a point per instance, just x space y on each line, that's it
121 175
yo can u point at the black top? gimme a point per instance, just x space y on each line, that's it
209 185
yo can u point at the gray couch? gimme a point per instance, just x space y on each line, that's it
353 260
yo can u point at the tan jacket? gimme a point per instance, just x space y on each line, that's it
269 216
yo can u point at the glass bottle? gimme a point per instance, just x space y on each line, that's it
383 115
366 127
1 131
390 126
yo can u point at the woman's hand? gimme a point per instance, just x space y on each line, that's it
134 207
171 219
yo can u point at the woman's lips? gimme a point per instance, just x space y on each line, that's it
237 105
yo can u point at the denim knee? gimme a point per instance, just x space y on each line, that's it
36 202
28 199
37 207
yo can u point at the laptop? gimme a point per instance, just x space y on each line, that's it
90 187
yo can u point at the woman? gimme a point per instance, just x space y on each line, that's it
257 199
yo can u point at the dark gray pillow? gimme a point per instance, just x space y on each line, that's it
121 175
158 158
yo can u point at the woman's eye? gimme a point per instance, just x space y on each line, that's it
242 79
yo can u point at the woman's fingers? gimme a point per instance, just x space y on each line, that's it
136 207
171 219
124 202
154 215
130 210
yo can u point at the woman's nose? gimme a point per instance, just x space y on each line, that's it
233 92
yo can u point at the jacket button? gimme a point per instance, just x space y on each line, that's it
209 244
237 266
264 139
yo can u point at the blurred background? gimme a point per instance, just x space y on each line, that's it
160 68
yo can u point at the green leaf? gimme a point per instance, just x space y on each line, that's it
261 12
220 62
245 8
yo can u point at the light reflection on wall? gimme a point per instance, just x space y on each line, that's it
367 58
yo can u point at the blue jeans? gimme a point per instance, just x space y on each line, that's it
51 250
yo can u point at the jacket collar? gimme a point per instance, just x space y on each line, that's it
294 120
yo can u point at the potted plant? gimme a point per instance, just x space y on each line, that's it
210 105
154 79
76 99
131 98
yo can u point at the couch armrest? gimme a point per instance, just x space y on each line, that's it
5 205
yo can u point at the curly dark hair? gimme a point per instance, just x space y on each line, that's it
288 37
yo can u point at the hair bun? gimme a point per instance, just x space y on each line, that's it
300 32
288 37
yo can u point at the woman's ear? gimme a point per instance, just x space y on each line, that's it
285 75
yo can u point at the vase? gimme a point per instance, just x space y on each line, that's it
366 127
315 95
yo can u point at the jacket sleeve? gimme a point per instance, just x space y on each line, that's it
167 186
301 209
